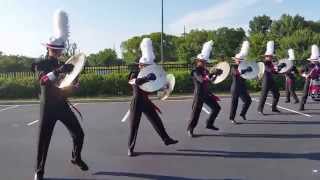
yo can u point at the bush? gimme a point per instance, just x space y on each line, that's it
116 84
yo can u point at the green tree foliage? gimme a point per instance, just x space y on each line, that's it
103 58
260 24
11 63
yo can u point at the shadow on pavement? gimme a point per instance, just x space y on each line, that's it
153 176
277 136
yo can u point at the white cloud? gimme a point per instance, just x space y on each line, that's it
231 13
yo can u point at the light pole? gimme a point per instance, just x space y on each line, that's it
161 31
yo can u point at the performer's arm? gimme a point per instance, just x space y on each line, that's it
46 78
198 76
149 77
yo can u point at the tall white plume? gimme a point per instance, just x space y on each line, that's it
61 25
270 48
206 51
314 52
291 54
147 51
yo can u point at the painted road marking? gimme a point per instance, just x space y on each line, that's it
205 110
33 122
290 110
10 107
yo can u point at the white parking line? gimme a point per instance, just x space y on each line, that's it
290 110
10 107
33 122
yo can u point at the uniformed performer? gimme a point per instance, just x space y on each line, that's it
268 83
201 79
238 87
141 103
290 77
306 71
53 101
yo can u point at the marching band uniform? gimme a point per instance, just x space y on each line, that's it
307 71
238 86
268 83
291 80
201 79
140 102
53 102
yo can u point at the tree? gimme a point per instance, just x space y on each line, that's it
287 25
103 58
131 48
227 41
260 24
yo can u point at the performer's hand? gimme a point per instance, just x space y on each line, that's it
249 69
218 72
280 66
151 77
76 86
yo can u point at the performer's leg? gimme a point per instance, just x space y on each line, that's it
304 95
245 97
71 122
288 92
45 133
263 97
134 120
157 124
215 109
195 114
234 104
292 89
276 96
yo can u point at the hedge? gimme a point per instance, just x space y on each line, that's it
116 84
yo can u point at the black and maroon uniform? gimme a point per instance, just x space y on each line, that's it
291 84
201 79
268 84
53 107
141 103
306 70
238 89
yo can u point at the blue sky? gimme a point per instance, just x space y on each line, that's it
99 24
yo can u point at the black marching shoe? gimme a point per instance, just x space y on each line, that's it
243 116
296 102
287 101
190 133
233 121
131 153
80 163
212 127
261 112
276 110
38 176
170 142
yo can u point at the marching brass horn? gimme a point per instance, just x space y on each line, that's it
261 67
287 65
158 83
244 65
225 67
78 61
165 92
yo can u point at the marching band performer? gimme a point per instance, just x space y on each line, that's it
238 87
309 71
268 83
291 80
53 102
201 79
141 103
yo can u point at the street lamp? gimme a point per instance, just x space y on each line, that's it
161 31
